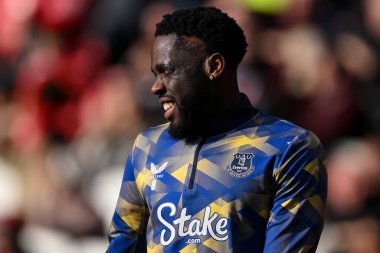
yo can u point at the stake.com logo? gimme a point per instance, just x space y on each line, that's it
195 227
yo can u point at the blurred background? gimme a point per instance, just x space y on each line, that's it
74 93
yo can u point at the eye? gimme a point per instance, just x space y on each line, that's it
168 70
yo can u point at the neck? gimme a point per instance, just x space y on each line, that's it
227 96
232 118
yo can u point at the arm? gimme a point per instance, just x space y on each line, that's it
297 215
127 231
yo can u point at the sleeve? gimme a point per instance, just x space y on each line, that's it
128 227
298 211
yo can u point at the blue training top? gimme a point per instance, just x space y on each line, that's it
257 185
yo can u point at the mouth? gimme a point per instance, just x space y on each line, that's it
168 104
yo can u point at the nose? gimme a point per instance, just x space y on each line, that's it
158 87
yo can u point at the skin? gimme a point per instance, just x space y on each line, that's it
183 76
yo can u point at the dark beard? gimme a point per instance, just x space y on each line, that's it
191 121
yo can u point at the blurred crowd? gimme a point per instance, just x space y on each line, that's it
74 93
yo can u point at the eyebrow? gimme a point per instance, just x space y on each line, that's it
160 67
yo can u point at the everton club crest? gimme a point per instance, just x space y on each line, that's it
241 166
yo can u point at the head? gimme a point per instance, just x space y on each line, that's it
194 58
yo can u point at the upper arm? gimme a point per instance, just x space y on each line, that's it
297 215
127 231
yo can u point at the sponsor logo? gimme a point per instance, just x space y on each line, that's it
156 173
241 166
186 225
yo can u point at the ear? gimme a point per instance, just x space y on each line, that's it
215 64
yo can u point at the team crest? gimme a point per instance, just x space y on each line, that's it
241 166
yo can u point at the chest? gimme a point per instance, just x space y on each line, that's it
229 176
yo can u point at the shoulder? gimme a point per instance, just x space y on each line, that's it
296 146
298 151
152 136
283 134
155 132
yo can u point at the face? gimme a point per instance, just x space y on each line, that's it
181 84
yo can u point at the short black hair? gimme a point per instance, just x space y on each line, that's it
215 28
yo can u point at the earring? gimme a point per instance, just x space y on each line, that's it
212 77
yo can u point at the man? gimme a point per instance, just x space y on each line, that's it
221 176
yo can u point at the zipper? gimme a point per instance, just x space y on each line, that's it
194 167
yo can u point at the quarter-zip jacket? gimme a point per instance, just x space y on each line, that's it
254 183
